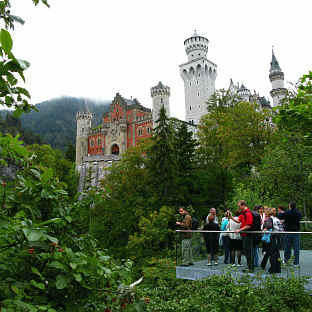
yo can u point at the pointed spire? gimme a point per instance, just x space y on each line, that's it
274 63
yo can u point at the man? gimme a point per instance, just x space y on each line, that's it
291 219
246 221
212 212
186 224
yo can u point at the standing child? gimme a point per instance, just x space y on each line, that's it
211 240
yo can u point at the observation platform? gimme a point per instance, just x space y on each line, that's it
199 270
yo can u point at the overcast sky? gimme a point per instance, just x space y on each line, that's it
95 48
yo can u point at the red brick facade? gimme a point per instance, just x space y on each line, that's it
125 124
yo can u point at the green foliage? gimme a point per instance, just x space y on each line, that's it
44 257
13 125
235 136
220 293
153 235
284 171
161 159
55 120
295 113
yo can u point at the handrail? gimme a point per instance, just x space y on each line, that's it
247 232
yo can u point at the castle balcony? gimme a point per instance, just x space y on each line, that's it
200 269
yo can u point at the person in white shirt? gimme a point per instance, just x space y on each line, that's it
236 244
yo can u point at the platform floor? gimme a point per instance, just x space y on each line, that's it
200 269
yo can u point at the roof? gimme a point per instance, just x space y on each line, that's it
274 63
264 102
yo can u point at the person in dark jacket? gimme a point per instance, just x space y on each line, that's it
271 248
211 240
292 219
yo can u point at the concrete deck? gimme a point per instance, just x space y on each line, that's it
200 270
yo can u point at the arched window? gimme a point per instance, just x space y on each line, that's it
161 100
115 149
99 141
190 108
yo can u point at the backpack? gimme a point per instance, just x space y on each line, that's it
195 223
256 226
256 221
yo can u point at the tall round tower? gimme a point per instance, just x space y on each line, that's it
160 95
278 91
84 120
199 75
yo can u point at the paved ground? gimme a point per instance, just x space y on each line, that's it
200 269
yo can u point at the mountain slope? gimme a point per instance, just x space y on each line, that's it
56 120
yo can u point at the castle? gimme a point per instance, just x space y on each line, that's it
128 122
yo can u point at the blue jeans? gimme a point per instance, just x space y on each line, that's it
226 246
292 241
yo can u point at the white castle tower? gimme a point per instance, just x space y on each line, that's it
244 93
160 95
83 127
278 91
199 75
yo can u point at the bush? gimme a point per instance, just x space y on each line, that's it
163 292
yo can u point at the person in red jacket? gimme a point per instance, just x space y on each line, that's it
246 220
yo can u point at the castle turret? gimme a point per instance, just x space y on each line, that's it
199 75
160 95
278 91
244 93
84 120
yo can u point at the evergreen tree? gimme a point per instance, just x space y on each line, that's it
161 164
184 146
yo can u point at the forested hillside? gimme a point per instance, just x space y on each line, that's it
56 120
11 125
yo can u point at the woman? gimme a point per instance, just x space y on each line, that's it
262 215
236 244
225 237
271 248
211 240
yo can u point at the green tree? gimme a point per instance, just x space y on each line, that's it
283 174
295 113
235 137
161 160
184 163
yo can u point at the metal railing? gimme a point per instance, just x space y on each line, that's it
280 239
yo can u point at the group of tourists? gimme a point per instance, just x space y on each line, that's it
244 233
